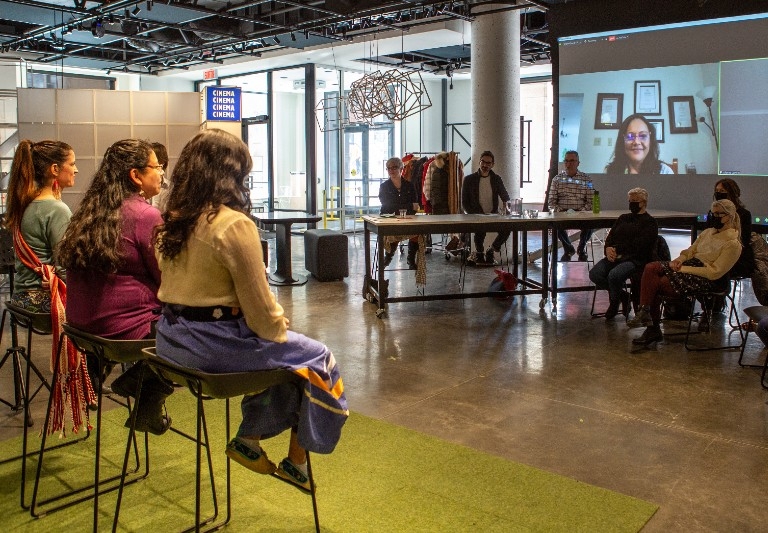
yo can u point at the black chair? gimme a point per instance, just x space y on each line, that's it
755 314
205 386
107 352
37 324
632 287
707 300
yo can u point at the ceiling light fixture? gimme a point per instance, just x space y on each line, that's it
293 36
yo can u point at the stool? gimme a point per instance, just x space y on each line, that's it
204 386
325 254
755 313
38 324
107 351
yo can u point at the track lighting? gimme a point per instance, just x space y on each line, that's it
136 10
277 41
293 36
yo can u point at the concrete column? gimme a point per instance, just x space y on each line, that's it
496 94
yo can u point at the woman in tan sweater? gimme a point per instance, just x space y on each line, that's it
219 314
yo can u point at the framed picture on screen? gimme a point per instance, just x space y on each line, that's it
648 97
608 114
658 125
682 115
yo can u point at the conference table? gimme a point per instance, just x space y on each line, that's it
283 220
546 223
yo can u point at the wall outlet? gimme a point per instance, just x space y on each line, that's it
610 141
597 141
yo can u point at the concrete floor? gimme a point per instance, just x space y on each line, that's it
557 390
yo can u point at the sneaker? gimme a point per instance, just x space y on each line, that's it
642 319
566 257
388 256
289 472
250 458
472 259
650 335
583 256
489 256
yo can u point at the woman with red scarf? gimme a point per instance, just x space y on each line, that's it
37 218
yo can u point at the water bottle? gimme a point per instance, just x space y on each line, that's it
596 202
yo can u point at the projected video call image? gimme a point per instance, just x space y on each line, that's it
667 99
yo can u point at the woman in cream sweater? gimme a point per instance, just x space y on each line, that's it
700 268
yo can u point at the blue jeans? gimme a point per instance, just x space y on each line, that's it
586 234
611 276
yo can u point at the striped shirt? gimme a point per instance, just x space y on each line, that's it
571 192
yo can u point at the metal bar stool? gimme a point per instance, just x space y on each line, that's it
755 313
38 324
205 386
107 351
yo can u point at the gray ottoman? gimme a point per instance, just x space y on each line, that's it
325 254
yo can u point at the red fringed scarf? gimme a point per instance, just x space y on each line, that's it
74 385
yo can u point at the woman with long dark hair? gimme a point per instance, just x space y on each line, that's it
637 149
219 314
112 272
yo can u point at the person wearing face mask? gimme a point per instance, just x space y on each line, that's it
727 189
702 267
628 247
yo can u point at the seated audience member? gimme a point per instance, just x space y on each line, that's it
395 194
480 194
162 158
112 272
628 247
37 218
701 267
219 314
572 189
727 189
36 215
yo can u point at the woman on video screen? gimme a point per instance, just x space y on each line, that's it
637 150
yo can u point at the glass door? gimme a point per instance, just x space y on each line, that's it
256 136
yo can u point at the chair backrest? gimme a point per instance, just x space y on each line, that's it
39 323
115 350
225 385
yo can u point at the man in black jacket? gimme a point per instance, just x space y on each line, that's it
480 193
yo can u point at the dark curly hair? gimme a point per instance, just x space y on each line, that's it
93 237
210 172
29 172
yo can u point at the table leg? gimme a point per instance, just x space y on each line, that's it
282 274
553 273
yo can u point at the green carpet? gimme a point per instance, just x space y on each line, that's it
381 478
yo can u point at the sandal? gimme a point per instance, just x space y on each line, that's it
748 326
250 458
290 473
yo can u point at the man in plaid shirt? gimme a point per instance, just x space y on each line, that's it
572 189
